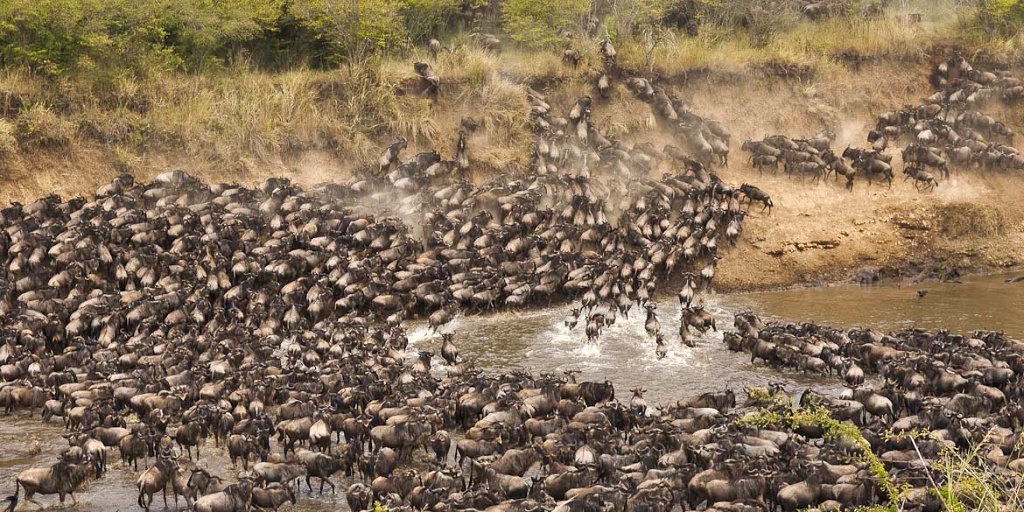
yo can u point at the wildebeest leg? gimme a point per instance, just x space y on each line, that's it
309 484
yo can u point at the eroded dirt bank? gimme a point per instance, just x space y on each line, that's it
817 232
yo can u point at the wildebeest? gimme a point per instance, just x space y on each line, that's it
62 479
755 194
359 497
608 52
271 498
243 447
431 82
235 498
155 479
322 466
572 57
277 472
390 156
920 177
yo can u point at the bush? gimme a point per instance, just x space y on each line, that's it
58 36
429 18
629 17
40 126
350 33
1002 16
543 23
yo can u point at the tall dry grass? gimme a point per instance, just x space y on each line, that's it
240 116
980 479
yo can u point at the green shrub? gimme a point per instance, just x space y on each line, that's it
1002 16
779 412
429 18
58 36
350 30
543 23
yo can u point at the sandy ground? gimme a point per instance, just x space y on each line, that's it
820 233
817 232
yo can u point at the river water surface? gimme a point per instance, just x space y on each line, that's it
539 341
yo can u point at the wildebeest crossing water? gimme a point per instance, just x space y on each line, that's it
540 341
536 340
132 363
292 330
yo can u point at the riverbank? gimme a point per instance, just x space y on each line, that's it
972 224
243 126
817 233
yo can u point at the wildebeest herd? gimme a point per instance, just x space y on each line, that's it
159 315
942 134
961 392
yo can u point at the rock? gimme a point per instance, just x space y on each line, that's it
817 244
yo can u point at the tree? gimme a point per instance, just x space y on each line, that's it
352 27
542 22
1003 16
428 18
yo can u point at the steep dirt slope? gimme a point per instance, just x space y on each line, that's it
818 232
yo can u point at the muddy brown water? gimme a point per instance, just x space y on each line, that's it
976 303
539 341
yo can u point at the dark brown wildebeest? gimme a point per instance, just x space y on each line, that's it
431 82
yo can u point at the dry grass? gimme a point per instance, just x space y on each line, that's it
38 126
238 119
8 142
545 66
815 45
963 219
977 479
890 36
